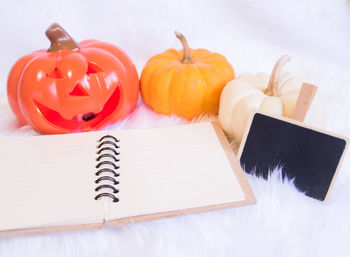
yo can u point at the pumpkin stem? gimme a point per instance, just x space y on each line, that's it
60 39
273 86
186 50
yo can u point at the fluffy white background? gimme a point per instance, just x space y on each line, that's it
252 34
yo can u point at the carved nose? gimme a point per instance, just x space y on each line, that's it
78 90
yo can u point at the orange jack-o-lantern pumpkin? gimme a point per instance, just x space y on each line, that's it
72 87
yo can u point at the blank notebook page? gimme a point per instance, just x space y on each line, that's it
47 180
172 168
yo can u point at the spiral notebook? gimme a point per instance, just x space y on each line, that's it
95 179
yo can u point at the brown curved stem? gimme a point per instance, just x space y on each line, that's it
186 50
273 86
60 39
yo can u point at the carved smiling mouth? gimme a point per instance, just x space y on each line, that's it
81 122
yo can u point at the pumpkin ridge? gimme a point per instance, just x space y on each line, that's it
112 49
162 60
229 71
165 56
200 56
160 79
212 57
226 66
27 73
169 89
248 96
152 78
181 107
214 54
286 98
103 53
237 105
247 85
146 77
204 98
173 106
215 61
172 52
288 81
13 81
267 98
100 51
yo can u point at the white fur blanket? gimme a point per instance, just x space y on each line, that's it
252 35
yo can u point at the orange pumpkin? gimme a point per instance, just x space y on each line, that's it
72 87
187 83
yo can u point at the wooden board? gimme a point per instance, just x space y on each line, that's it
309 155
306 95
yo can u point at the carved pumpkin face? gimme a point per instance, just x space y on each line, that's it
76 89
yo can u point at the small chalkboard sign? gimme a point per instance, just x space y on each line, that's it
308 155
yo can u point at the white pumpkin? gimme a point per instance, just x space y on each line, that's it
276 94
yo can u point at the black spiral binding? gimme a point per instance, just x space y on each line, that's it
107 167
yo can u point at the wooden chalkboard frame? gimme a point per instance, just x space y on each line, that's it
298 123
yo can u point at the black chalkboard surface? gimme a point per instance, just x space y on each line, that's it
309 156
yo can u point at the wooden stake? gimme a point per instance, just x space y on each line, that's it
306 95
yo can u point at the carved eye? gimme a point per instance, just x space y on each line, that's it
93 68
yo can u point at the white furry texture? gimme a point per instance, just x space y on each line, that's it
252 34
